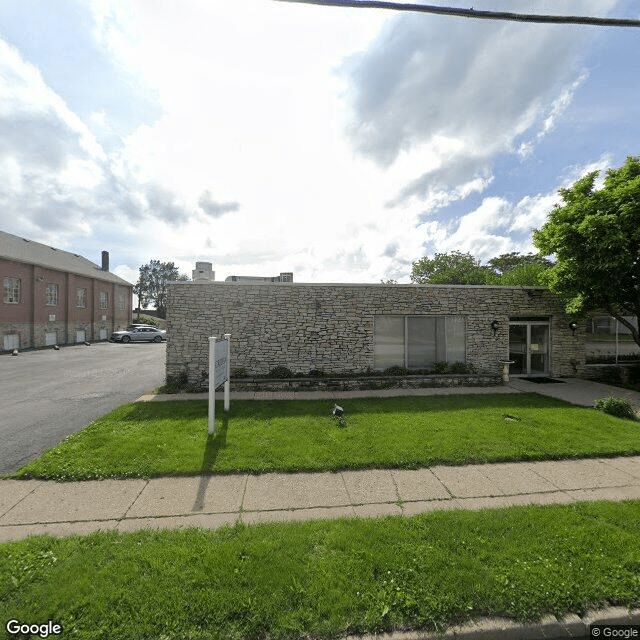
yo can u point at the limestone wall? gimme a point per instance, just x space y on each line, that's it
331 326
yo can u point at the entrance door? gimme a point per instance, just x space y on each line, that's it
529 348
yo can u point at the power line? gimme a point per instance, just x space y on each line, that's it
472 13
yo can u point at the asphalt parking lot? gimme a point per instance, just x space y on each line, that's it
49 394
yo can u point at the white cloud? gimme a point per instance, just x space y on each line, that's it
248 166
484 85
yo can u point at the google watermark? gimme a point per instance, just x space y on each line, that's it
615 631
42 630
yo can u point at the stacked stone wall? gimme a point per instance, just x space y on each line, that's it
331 326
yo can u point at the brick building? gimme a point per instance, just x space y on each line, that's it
354 327
56 297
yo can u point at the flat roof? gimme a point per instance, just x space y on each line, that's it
355 284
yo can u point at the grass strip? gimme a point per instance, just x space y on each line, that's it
164 438
323 579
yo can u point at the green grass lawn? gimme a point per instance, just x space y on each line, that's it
161 438
323 579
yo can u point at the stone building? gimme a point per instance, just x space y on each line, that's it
55 297
341 328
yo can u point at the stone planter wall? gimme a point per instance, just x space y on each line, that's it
354 384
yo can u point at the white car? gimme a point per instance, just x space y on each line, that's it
139 333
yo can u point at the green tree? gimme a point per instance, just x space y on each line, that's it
517 269
450 268
152 284
595 236
506 262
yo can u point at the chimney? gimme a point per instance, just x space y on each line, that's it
105 261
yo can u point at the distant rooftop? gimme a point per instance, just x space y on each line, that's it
285 276
23 250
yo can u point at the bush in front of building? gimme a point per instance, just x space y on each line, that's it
280 372
618 407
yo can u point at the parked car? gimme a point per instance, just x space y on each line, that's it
139 333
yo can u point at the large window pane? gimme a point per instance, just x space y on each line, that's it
421 341
388 341
456 339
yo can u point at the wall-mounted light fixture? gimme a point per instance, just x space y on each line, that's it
573 326
494 325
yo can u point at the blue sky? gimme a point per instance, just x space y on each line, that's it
263 136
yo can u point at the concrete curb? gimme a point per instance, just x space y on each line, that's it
549 628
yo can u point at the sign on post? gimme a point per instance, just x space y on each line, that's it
219 361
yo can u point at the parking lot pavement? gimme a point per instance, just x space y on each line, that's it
49 394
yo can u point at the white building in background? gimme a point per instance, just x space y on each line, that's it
203 272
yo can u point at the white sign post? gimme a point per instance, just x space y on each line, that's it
219 362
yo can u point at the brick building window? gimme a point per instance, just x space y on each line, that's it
52 295
416 342
81 298
12 290
121 301
104 300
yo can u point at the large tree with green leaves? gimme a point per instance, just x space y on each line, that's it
152 284
513 269
517 269
450 268
595 236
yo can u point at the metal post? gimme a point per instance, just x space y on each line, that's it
212 390
227 337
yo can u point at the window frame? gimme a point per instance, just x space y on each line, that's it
13 290
48 291
104 299
81 300
440 339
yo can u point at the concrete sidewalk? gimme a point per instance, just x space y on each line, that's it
573 390
30 507
328 394
576 391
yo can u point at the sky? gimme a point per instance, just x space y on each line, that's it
265 136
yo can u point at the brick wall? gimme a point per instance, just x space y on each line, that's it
331 326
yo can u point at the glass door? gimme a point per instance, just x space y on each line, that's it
538 349
529 348
518 349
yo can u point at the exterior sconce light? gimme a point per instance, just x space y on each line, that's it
494 325
573 326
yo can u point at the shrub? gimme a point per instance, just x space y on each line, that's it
395 370
459 367
281 372
618 407
317 373
239 373
440 367
174 384
147 320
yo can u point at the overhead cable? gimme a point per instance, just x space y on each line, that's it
473 13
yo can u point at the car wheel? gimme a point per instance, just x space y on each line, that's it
126 339
157 339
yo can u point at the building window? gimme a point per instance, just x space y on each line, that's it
81 298
12 290
52 295
121 301
104 300
416 342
